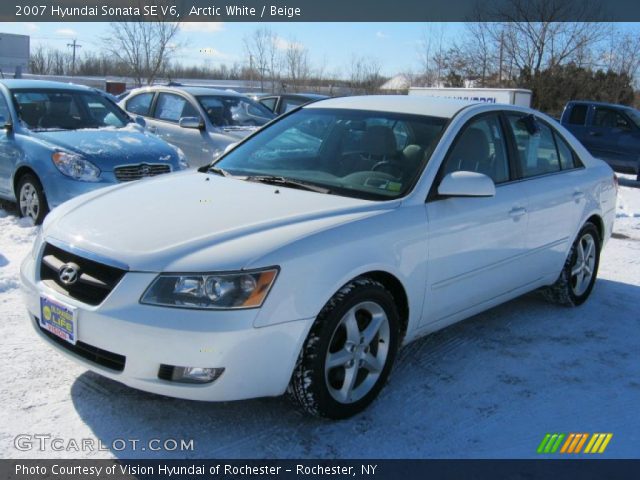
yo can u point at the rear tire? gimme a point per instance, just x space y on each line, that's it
348 354
31 200
580 270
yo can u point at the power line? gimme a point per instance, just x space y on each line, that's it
75 45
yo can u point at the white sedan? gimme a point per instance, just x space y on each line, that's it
309 253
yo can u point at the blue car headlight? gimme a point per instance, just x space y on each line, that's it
76 167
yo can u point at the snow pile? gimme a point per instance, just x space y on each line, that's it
16 237
628 211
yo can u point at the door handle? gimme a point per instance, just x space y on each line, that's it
517 212
578 195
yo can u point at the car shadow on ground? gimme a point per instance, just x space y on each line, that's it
490 386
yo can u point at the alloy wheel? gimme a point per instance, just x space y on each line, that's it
583 268
357 352
29 201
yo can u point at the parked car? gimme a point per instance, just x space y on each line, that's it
59 140
610 132
286 102
201 121
307 255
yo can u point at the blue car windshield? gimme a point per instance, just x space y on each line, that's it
44 109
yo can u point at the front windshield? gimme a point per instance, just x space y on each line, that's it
373 155
41 109
231 111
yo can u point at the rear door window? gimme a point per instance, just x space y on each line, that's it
610 118
537 154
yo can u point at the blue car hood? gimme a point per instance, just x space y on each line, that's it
110 147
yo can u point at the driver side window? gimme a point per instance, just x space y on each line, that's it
480 148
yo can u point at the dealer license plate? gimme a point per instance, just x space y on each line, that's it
59 319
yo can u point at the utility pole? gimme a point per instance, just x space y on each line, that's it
75 45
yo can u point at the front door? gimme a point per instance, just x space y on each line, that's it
476 245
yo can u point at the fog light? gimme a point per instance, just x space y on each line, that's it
189 374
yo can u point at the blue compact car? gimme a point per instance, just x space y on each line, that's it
59 140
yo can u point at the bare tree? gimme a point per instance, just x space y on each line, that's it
145 46
536 34
261 48
364 75
297 64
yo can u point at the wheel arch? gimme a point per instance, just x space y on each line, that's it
19 173
599 223
399 293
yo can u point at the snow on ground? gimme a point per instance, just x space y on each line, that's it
489 387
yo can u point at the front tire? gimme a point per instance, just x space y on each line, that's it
348 354
31 200
580 270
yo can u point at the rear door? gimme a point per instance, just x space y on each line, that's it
476 245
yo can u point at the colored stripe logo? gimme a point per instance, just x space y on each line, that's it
574 443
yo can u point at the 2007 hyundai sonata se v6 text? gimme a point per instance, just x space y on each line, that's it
304 257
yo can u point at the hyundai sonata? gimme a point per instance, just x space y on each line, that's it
306 255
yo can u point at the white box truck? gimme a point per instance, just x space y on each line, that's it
513 96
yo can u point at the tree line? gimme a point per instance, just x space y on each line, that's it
558 60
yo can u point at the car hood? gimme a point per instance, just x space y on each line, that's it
192 221
110 147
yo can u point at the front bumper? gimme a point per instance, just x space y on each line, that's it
257 361
59 188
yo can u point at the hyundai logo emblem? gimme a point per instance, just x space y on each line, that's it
69 273
145 171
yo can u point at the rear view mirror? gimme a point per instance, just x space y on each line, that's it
466 184
192 122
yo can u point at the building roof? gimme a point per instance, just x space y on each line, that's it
416 105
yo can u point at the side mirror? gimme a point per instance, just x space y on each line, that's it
466 184
192 122
5 124
140 121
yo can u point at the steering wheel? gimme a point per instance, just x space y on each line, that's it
390 167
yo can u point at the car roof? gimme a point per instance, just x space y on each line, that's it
600 104
43 84
416 105
196 90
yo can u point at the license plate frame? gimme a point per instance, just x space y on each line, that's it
59 319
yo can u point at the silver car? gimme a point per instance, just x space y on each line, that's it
199 120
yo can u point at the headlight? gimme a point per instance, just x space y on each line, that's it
221 291
75 166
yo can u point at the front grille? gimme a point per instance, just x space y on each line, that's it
94 280
142 170
104 358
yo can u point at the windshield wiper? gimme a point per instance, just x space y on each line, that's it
219 171
287 182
